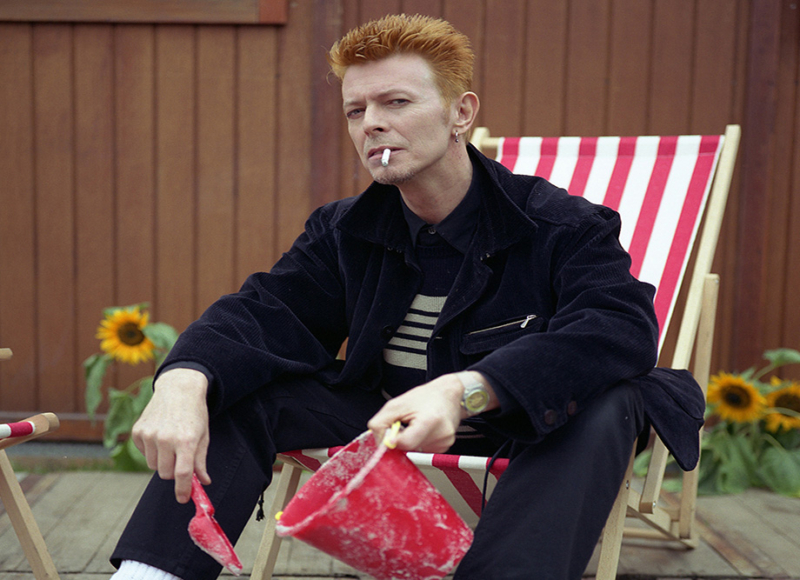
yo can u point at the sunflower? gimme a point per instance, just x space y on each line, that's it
786 398
121 335
735 398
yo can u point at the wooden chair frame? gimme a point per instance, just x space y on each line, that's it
695 335
13 498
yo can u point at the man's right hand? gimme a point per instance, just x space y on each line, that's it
172 431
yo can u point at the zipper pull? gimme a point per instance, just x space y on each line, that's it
527 320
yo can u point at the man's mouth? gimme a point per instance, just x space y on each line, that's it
378 153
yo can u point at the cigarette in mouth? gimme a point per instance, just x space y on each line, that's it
385 157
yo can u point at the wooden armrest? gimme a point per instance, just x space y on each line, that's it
43 423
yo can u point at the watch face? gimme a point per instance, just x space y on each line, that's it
477 400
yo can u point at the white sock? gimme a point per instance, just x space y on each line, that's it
132 570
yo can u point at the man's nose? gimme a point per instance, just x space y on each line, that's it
374 121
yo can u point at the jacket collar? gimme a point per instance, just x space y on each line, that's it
377 214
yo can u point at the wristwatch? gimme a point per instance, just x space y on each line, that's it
475 398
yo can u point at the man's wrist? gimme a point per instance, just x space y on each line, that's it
477 396
183 378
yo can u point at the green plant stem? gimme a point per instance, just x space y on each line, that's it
772 441
135 384
767 369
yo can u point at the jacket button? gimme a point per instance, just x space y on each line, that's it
549 417
572 408
387 332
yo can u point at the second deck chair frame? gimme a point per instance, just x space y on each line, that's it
695 335
15 503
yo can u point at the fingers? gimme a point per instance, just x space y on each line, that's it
174 454
200 464
184 468
172 431
426 438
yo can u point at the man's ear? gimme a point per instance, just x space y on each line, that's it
466 110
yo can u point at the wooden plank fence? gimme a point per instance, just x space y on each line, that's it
164 162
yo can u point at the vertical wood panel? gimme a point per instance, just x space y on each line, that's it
18 376
503 65
587 57
712 107
789 308
176 137
135 171
294 130
726 256
757 166
94 184
713 78
372 9
257 151
215 143
545 69
326 108
629 56
54 198
427 7
671 72
778 268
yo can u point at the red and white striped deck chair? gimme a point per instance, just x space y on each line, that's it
660 186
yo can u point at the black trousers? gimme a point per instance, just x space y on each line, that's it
542 522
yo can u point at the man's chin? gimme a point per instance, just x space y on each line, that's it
390 177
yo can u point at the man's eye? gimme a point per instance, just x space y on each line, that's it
353 113
399 101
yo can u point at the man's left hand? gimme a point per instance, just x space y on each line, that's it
431 413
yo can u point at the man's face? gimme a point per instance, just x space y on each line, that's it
395 103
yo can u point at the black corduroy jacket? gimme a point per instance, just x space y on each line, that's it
544 306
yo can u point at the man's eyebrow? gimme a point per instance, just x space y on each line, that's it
381 95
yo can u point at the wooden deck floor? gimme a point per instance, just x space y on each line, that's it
81 514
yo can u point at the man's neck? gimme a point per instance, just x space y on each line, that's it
434 200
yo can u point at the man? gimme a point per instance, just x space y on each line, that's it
453 280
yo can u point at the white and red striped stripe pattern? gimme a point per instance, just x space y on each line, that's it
659 185
459 478
20 429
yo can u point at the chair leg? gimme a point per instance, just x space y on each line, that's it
19 512
267 555
612 533
701 371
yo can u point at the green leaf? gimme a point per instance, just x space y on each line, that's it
143 397
128 458
748 374
642 463
727 464
789 439
672 484
120 418
163 335
782 356
780 470
95 369
732 478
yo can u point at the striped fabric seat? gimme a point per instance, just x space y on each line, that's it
660 186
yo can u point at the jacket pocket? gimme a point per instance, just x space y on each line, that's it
484 340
